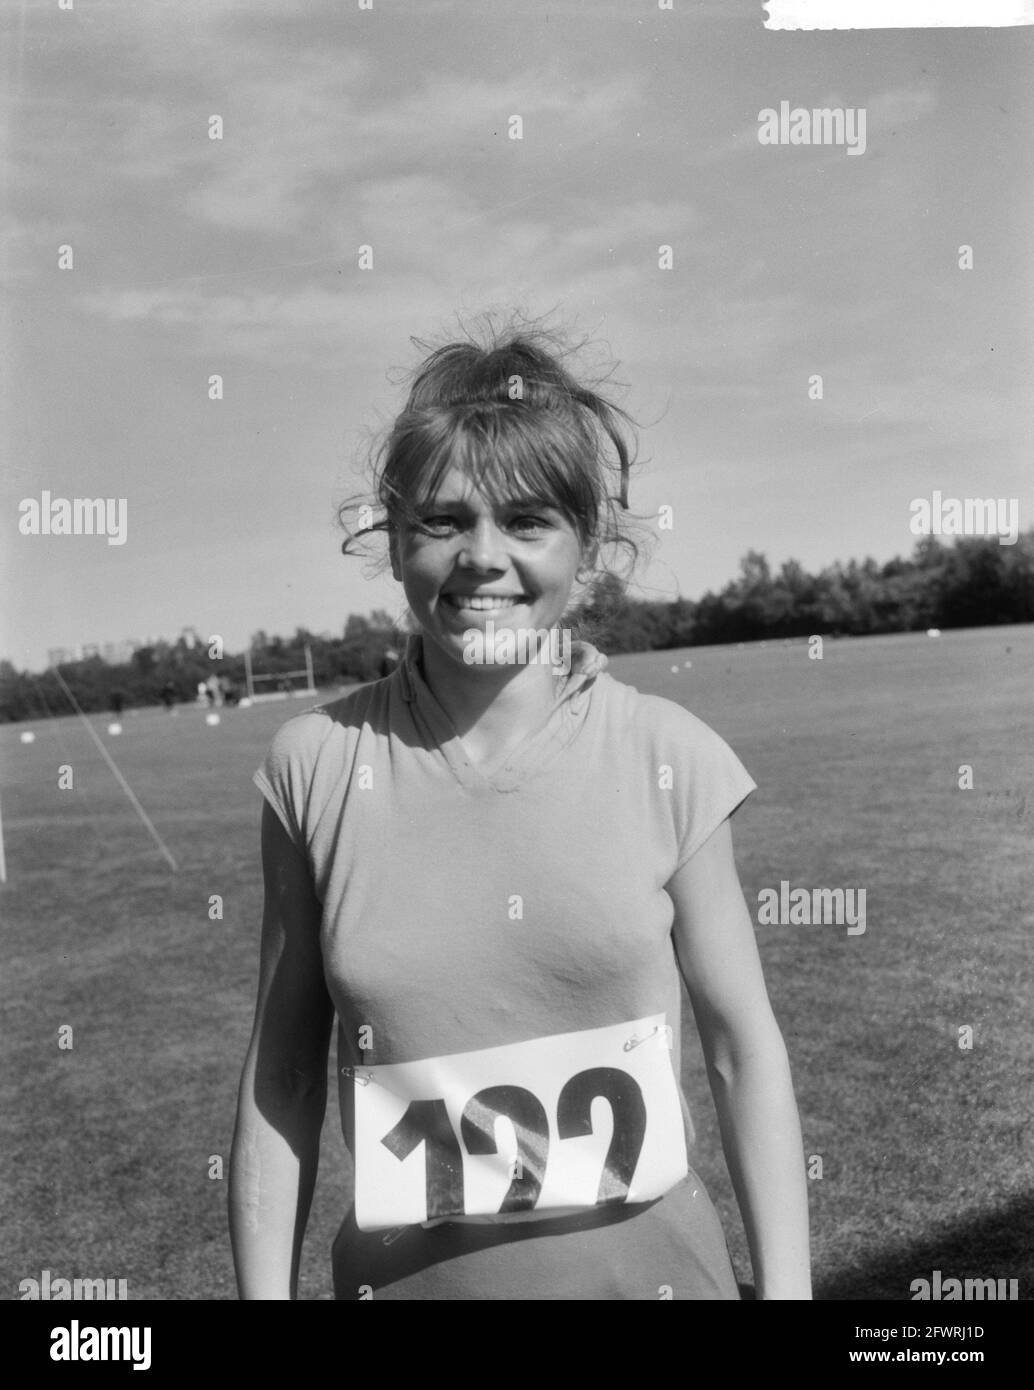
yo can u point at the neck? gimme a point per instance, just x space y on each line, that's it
509 698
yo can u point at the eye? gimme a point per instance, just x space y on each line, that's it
528 523
438 524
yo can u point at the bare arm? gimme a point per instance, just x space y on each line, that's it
747 1066
283 1092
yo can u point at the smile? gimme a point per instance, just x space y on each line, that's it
482 603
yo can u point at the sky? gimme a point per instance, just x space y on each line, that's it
389 128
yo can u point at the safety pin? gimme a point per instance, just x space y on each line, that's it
664 1028
393 1235
357 1076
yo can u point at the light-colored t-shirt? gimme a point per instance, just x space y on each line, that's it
498 950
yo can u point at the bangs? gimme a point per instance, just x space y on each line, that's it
514 455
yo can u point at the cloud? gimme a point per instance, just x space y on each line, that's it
300 142
435 245
312 112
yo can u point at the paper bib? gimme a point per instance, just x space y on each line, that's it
532 1129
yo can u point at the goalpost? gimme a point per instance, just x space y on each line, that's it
284 682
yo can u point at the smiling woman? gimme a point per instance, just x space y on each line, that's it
494 489
490 873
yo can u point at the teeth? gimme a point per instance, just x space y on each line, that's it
480 602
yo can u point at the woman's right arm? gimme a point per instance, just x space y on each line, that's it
283 1093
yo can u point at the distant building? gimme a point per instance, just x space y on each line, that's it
112 653
118 653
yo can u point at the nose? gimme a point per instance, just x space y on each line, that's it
484 547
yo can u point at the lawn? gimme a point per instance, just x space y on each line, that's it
926 1147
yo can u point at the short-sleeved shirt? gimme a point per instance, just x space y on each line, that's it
491 934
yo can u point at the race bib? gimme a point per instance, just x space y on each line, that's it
531 1129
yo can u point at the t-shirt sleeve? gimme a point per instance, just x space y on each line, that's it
710 783
285 775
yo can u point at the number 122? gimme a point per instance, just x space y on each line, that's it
427 1122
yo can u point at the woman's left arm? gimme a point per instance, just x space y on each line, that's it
747 1065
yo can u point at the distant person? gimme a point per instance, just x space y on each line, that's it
117 699
229 690
168 695
491 874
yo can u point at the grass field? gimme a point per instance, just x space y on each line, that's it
927 1149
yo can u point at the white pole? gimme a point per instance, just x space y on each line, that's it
308 666
3 861
130 793
248 681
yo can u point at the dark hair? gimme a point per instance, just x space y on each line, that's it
519 423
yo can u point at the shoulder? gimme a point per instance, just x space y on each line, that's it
311 754
302 738
696 779
661 724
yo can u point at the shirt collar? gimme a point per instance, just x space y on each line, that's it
586 664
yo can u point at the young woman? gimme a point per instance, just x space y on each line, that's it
491 867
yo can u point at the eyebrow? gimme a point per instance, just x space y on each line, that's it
508 504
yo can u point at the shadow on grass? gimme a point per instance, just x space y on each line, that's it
986 1245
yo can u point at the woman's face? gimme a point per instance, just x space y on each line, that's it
471 560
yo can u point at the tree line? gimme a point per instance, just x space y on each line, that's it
974 582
